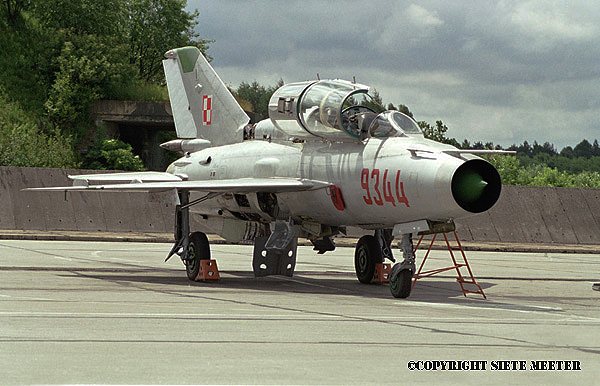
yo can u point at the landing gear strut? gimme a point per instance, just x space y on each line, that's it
191 248
182 229
371 250
402 273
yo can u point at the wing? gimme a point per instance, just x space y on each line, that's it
111 178
142 182
458 152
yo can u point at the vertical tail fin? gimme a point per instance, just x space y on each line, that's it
202 105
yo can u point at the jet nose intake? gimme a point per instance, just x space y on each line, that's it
469 185
476 186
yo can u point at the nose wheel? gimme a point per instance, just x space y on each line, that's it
402 273
400 281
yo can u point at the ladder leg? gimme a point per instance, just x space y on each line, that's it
456 265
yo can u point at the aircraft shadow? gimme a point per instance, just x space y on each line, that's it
430 290
303 282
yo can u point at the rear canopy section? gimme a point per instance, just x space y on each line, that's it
315 109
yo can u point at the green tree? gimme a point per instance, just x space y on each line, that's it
82 17
90 68
567 152
405 110
113 154
58 56
583 149
373 101
258 96
437 133
552 177
508 167
26 64
22 143
155 26
11 10
402 108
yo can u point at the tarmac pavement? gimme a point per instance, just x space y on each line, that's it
81 312
148 237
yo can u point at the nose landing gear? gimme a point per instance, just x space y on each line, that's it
372 250
402 273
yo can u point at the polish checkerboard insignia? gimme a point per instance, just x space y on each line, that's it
206 109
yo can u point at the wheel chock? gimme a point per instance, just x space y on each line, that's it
382 273
208 271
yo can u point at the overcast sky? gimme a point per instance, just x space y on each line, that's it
501 71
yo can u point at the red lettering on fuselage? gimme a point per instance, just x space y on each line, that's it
375 179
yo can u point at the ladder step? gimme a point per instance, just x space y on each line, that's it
473 292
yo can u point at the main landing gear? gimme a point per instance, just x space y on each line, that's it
192 248
372 250
198 250
273 255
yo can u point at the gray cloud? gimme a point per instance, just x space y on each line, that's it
502 71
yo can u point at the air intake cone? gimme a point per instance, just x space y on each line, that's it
476 186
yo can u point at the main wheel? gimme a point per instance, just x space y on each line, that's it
366 256
401 284
199 249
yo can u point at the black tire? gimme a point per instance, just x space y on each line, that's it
366 256
199 250
401 285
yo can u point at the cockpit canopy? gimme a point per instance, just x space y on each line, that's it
327 109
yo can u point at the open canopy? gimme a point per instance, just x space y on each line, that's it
328 109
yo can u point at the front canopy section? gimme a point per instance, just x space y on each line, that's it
315 109
393 124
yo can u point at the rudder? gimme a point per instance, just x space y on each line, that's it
202 105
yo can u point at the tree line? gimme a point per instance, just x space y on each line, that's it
59 56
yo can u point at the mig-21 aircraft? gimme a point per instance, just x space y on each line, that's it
320 163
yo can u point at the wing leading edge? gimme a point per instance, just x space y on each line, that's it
241 185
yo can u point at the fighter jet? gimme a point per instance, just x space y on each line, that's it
318 164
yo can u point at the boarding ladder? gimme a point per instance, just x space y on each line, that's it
460 279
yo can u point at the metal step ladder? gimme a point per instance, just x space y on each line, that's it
462 280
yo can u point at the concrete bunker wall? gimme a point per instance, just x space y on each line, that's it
522 214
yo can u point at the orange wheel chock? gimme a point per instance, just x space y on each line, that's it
208 271
382 273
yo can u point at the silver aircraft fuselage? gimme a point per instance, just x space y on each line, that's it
380 181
